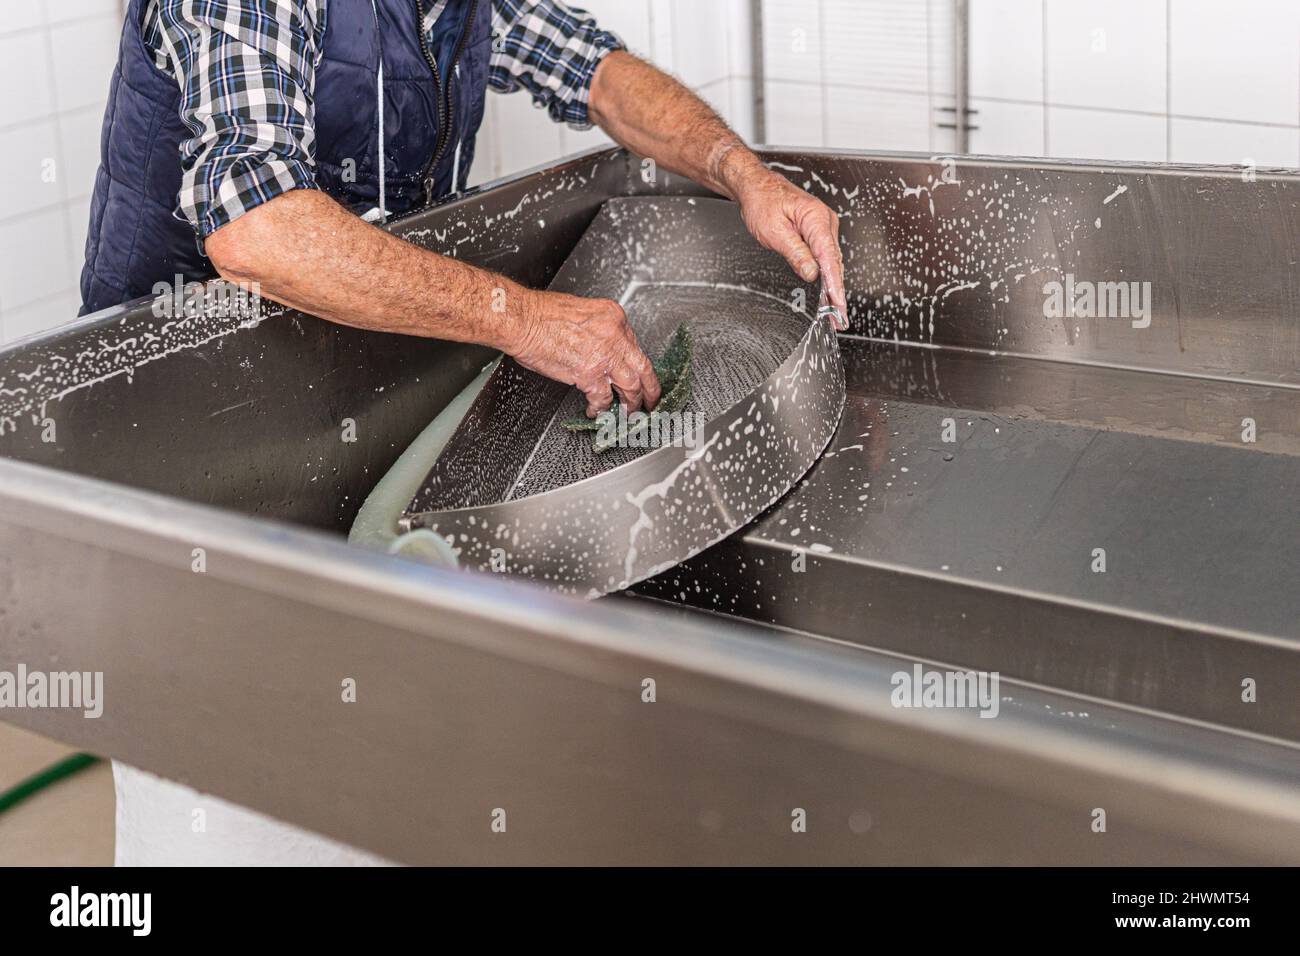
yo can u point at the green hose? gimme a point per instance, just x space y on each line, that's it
50 775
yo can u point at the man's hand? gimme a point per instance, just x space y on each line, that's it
587 343
800 227
653 115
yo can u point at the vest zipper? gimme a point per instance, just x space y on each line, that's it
444 104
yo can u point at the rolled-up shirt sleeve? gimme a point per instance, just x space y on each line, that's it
246 70
551 51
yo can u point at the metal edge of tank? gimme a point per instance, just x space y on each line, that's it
228 680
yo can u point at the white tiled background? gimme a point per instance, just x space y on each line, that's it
705 43
1165 80
1197 81
56 57
858 73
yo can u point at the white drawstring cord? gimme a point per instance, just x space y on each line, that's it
455 165
383 197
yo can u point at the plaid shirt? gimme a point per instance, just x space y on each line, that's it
246 70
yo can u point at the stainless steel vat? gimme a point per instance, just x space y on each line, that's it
1124 689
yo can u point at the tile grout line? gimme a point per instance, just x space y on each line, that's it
929 73
1014 101
46 299
1169 81
1042 19
69 253
1113 109
821 72
50 117
69 287
45 209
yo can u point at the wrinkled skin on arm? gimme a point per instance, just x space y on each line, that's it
308 252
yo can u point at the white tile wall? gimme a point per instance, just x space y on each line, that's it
635 21
794 113
1213 141
741 111
660 46
527 135
79 134
941 23
1105 134
1238 60
857 73
1106 54
62 11
29 168
1178 65
1006 50
34 265
699 44
792 40
885 119
705 43
56 59
20 16
876 44
1000 128
25 320
740 38
1107 79
84 51
26 77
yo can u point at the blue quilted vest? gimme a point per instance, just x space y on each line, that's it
135 240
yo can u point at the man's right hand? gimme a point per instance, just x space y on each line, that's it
587 343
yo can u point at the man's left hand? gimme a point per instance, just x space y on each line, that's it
799 226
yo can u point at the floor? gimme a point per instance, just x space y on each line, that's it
68 824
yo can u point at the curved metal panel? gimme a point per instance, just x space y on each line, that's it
514 487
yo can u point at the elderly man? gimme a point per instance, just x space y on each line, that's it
261 139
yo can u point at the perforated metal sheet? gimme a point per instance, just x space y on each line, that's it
738 338
515 491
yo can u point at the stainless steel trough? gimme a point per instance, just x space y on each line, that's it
1161 444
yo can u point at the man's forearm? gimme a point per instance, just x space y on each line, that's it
654 115
306 251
